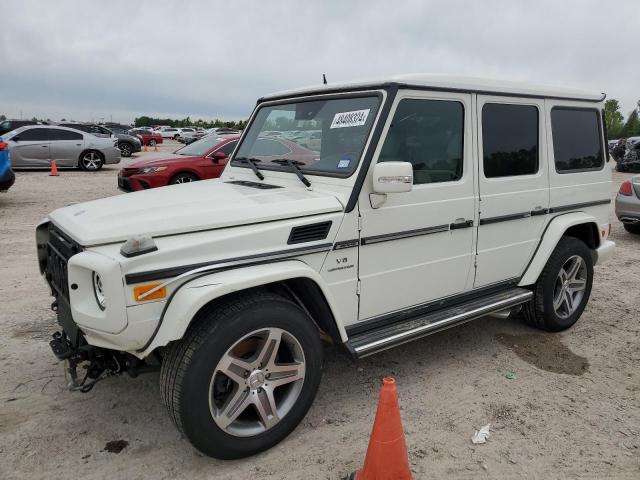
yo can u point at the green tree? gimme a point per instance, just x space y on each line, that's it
631 127
2 118
614 119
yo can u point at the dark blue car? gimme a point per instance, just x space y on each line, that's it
7 176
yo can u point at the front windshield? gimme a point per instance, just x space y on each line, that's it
324 136
200 147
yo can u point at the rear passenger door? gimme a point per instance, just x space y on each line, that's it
513 186
65 146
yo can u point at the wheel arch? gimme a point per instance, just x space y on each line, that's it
293 279
185 170
578 225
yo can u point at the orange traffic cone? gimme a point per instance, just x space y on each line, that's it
155 147
54 169
145 147
387 457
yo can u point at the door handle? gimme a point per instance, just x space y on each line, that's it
539 211
44 146
460 223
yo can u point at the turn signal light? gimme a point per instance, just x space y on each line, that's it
625 188
139 292
3 146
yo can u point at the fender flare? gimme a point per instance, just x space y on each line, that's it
552 234
194 294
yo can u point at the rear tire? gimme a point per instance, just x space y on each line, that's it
91 161
220 414
560 295
632 228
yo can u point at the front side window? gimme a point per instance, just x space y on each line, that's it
227 149
324 137
509 140
577 139
200 147
429 135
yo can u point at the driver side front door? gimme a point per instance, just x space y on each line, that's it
418 247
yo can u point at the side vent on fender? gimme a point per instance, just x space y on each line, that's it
309 233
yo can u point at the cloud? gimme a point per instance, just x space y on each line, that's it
90 60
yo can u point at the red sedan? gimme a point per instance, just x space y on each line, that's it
199 160
147 137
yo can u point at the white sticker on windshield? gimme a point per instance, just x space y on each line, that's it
350 119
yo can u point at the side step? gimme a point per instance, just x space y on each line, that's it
397 333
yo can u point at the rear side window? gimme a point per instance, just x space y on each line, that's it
577 139
55 134
429 135
509 140
33 135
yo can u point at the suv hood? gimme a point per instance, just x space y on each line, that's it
175 209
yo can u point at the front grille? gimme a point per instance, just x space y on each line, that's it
59 250
127 172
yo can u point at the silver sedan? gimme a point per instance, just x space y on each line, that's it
38 145
628 205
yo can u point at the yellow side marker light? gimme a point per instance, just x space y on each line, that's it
140 291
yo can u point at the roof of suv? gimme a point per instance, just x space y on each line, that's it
452 83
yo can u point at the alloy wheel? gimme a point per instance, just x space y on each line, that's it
570 286
184 179
125 150
257 382
91 161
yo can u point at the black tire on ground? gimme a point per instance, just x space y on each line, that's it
632 228
126 149
540 312
151 143
91 161
184 177
189 366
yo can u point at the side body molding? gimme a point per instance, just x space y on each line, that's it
550 237
196 293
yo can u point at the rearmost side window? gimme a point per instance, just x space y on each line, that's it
577 139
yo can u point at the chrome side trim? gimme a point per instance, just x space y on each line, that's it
423 330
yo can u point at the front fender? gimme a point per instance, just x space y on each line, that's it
550 238
191 296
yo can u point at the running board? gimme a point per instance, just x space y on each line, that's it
397 333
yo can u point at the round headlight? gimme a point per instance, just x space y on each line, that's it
97 290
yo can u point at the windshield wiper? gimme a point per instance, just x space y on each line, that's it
252 164
293 164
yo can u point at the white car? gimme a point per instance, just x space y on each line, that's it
433 201
170 132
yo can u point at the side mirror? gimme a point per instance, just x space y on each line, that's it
392 177
218 156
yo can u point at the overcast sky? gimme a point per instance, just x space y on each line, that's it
93 60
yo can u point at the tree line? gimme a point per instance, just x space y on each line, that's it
617 126
145 121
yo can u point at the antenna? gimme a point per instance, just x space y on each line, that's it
324 79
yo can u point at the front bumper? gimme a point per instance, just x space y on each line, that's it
135 183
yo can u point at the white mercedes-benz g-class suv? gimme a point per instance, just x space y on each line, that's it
429 201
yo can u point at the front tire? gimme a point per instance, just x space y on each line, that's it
243 376
563 288
126 149
183 177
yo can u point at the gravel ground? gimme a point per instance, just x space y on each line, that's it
572 409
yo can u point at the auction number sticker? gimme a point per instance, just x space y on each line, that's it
350 119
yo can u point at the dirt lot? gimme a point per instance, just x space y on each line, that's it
572 410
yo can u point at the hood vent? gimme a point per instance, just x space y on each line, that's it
246 183
309 233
